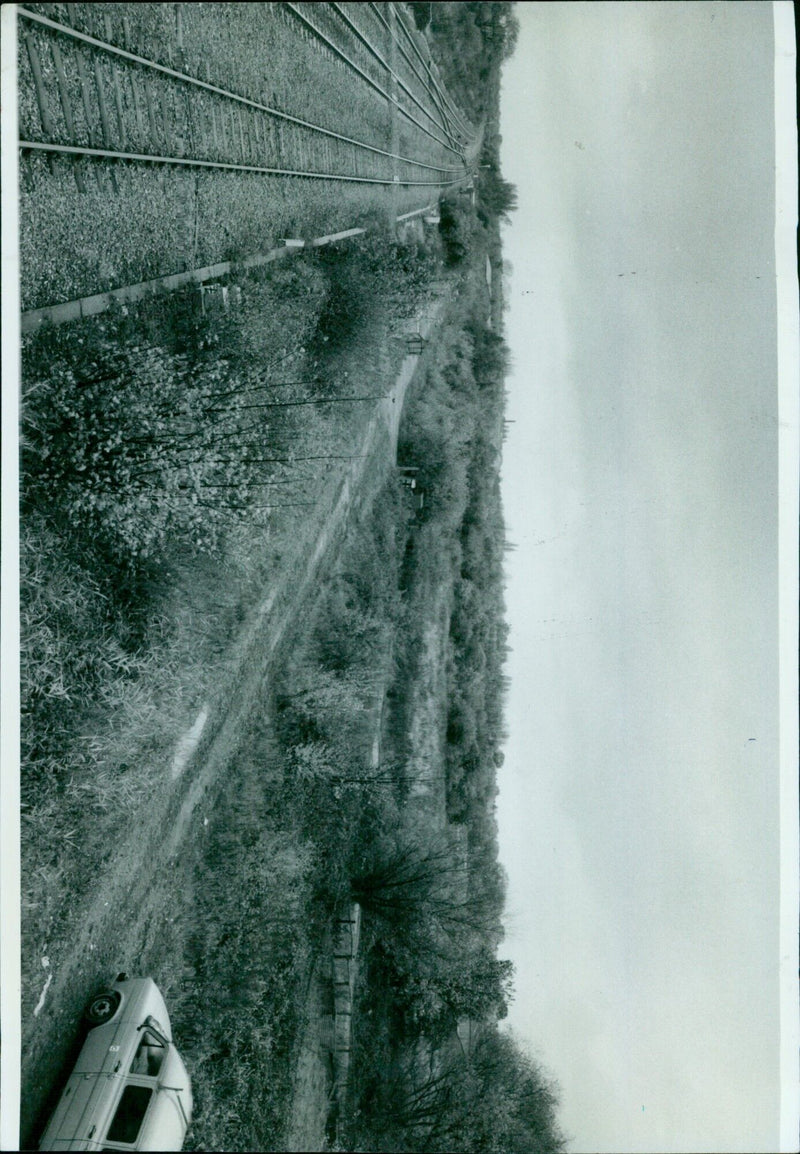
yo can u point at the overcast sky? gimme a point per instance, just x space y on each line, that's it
638 804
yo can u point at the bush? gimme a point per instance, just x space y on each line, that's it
456 223
498 197
421 11
366 280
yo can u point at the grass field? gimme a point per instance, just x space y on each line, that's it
121 653
129 632
132 627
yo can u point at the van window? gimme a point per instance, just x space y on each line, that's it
130 1114
149 1055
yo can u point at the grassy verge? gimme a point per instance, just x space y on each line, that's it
244 955
330 700
132 600
308 815
159 222
290 824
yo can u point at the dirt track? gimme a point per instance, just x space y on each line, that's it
312 1076
125 923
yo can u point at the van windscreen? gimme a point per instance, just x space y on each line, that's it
149 1055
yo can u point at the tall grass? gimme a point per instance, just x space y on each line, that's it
237 980
132 603
330 700
158 443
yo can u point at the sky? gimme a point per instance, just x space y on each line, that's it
639 801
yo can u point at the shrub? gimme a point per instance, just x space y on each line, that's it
455 228
498 197
421 11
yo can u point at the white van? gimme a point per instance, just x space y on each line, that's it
129 1089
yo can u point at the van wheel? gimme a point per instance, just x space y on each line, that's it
102 1008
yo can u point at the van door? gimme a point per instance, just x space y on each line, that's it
148 1118
138 1105
83 1111
130 1115
110 1056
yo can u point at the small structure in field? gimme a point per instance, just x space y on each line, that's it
408 479
219 298
336 1034
415 343
408 476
